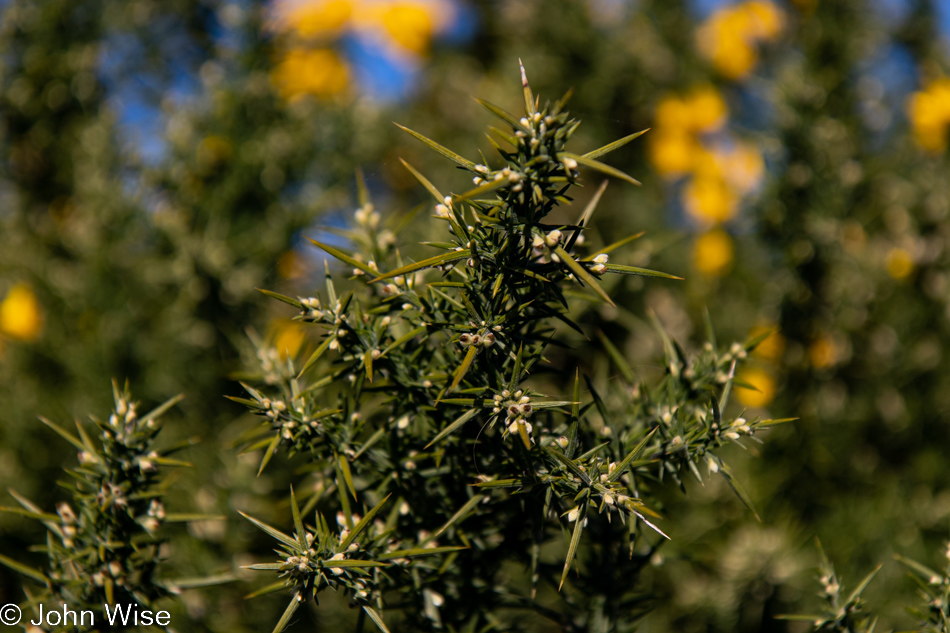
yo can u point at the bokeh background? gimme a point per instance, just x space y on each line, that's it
159 160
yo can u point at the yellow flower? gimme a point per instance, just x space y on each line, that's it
701 110
707 109
899 263
312 18
765 20
410 24
672 153
761 380
288 337
713 253
20 314
730 36
318 72
672 113
709 199
929 113
407 26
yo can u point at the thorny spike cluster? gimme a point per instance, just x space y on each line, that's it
104 546
418 390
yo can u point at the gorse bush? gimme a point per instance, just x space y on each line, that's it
850 613
103 548
443 461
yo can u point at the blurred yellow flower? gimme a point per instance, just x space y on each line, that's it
317 72
20 314
823 353
761 380
772 347
707 108
701 110
672 153
312 18
765 20
929 113
730 36
410 25
709 199
899 263
288 337
675 147
713 253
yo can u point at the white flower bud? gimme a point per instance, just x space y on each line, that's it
337 570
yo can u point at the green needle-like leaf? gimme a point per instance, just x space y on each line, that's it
288 613
620 142
376 618
618 358
317 353
268 453
20 568
569 464
454 426
271 588
424 181
343 257
418 551
276 295
852 598
575 541
591 206
301 532
754 341
642 272
582 273
462 512
344 464
463 368
632 455
737 487
359 527
275 533
502 114
612 247
452 156
438 260
69 437
599 166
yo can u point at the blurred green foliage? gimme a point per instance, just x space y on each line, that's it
141 263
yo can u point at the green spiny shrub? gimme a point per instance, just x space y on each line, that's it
104 547
424 411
